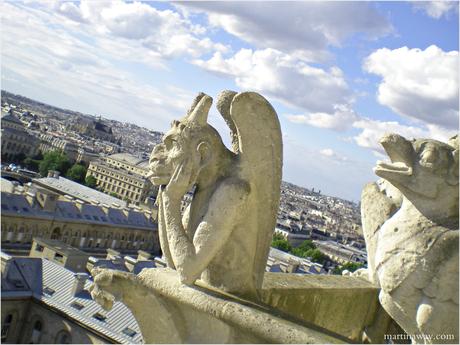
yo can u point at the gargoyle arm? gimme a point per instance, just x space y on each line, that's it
163 236
191 258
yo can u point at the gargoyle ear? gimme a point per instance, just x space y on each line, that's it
204 149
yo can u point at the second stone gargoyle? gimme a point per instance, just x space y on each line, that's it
411 230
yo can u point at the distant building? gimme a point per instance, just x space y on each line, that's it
94 128
89 227
15 139
341 254
65 187
85 155
43 302
114 260
279 261
50 142
60 253
123 174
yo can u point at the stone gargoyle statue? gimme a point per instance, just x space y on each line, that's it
224 235
410 223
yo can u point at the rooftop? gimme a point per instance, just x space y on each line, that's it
62 185
130 159
52 285
18 205
60 247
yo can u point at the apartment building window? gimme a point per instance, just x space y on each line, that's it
7 322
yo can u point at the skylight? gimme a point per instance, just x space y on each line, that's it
48 291
100 317
129 332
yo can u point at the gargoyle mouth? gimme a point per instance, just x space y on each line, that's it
396 167
401 154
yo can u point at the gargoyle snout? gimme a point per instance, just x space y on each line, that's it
398 148
158 153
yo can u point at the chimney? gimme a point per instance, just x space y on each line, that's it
105 208
47 201
53 173
79 283
79 204
143 256
6 264
112 254
30 197
130 263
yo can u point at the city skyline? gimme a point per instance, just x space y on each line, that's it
339 74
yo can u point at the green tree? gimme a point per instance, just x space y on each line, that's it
304 250
316 256
282 244
350 266
54 160
77 173
31 164
90 181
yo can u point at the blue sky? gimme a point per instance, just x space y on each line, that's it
339 74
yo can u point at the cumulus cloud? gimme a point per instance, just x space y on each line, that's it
419 84
71 72
332 155
339 120
304 28
436 9
373 130
163 32
283 77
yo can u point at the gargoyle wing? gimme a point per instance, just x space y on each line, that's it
256 138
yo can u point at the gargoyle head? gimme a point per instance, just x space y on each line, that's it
191 140
421 168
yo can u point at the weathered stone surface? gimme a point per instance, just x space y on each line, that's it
170 312
347 306
413 254
224 235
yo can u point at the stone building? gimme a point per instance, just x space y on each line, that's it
59 253
47 215
15 139
94 128
124 175
43 302
49 142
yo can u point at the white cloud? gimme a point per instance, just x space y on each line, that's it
340 119
332 155
436 9
69 71
304 29
283 77
419 84
373 130
165 33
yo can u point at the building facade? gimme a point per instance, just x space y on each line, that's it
88 227
123 175
15 139
49 143
45 303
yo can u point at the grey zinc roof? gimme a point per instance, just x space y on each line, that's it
17 204
11 118
60 247
127 158
78 191
42 275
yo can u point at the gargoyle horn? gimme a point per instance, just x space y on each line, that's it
198 114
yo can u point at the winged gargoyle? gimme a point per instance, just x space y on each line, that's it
410 222
225 233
